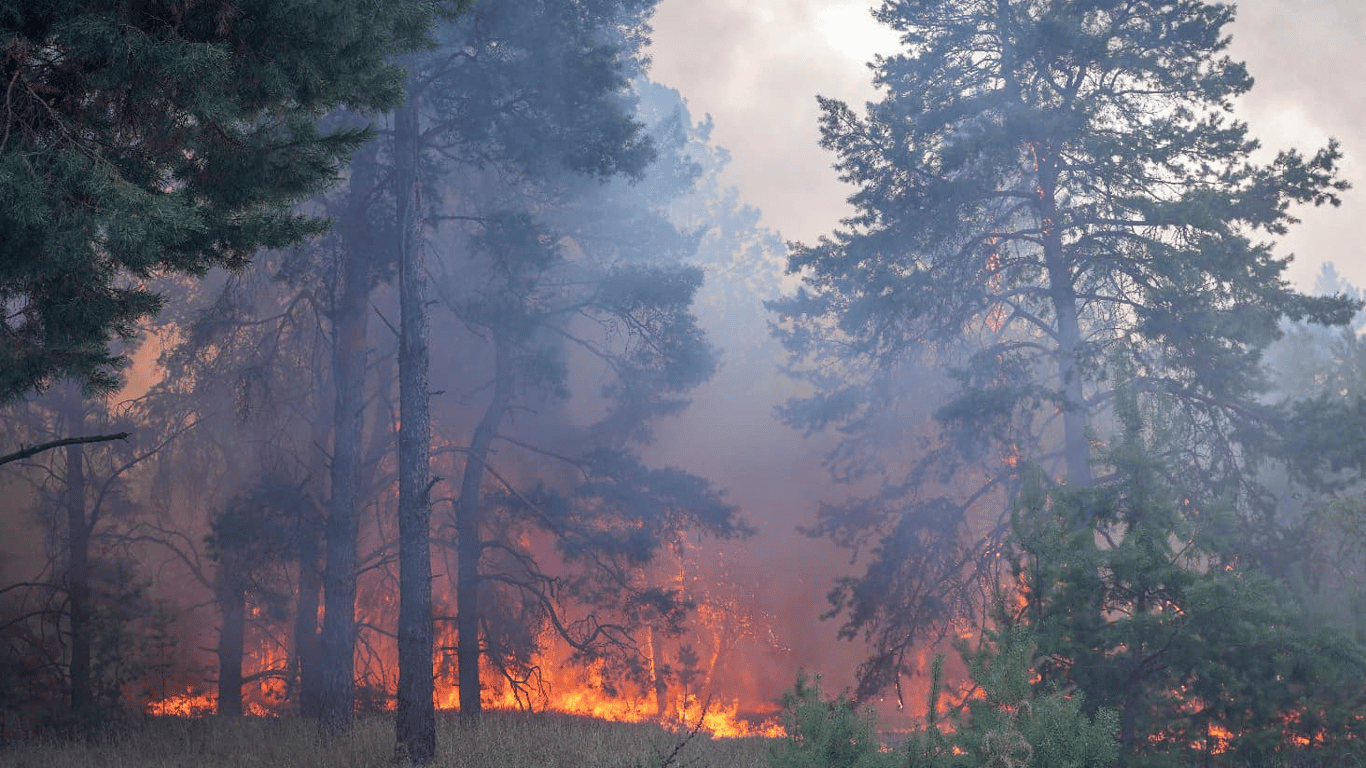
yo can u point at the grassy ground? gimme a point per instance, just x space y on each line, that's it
502 741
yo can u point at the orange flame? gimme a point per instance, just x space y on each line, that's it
1219 738
191 703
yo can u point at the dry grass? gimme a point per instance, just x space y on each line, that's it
502 741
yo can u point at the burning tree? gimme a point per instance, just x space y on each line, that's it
616 513
245 361
540 284
1051 197
252 540
500 150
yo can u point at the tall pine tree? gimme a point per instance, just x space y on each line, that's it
1047 189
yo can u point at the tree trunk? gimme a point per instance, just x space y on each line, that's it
657 668
415 724
468 532
1062 292
1075 420
337 692
307 647
232 601
78 572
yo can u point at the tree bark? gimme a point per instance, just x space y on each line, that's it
1062 293
78 571
1075 420
307 646
232 601
336 705
468 532
657 669
415 724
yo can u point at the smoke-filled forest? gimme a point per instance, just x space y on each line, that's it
408 381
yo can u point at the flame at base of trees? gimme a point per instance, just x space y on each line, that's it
555 683
579 692
584 691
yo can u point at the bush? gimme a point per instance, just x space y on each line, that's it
1015 726
1011 725
827 734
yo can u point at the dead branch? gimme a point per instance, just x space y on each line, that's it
24 453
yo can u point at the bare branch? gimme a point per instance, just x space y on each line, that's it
24 453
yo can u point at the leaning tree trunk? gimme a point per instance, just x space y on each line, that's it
415 724
337 689
469 546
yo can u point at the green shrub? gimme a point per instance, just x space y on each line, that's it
827 733
1011 725
1015 726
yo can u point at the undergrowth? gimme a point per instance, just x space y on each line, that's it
502 740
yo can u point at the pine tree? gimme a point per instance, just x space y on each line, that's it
1140 598
1048 191
152 138
532 91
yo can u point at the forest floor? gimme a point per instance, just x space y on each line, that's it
501 741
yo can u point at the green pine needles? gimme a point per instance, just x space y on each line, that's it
1006 723
165 138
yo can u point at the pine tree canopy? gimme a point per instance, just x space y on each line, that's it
1049 194
165 137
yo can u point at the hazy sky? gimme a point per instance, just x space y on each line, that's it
756 65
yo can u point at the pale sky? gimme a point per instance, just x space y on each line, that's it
756 66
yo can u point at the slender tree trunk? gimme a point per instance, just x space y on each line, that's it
336 705
1062 292
657 666
1075 419
468 532
232 601
415 724
78 572
307 647
1128 714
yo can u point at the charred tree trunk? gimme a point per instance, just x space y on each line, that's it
232 601
467 530
415 724
659 667
337 691
78 568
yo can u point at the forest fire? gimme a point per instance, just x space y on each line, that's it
570 689
490 394
677 680
1219 738
191 703
582 691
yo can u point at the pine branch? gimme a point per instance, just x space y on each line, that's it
32 450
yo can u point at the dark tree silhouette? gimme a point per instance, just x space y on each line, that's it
148 139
